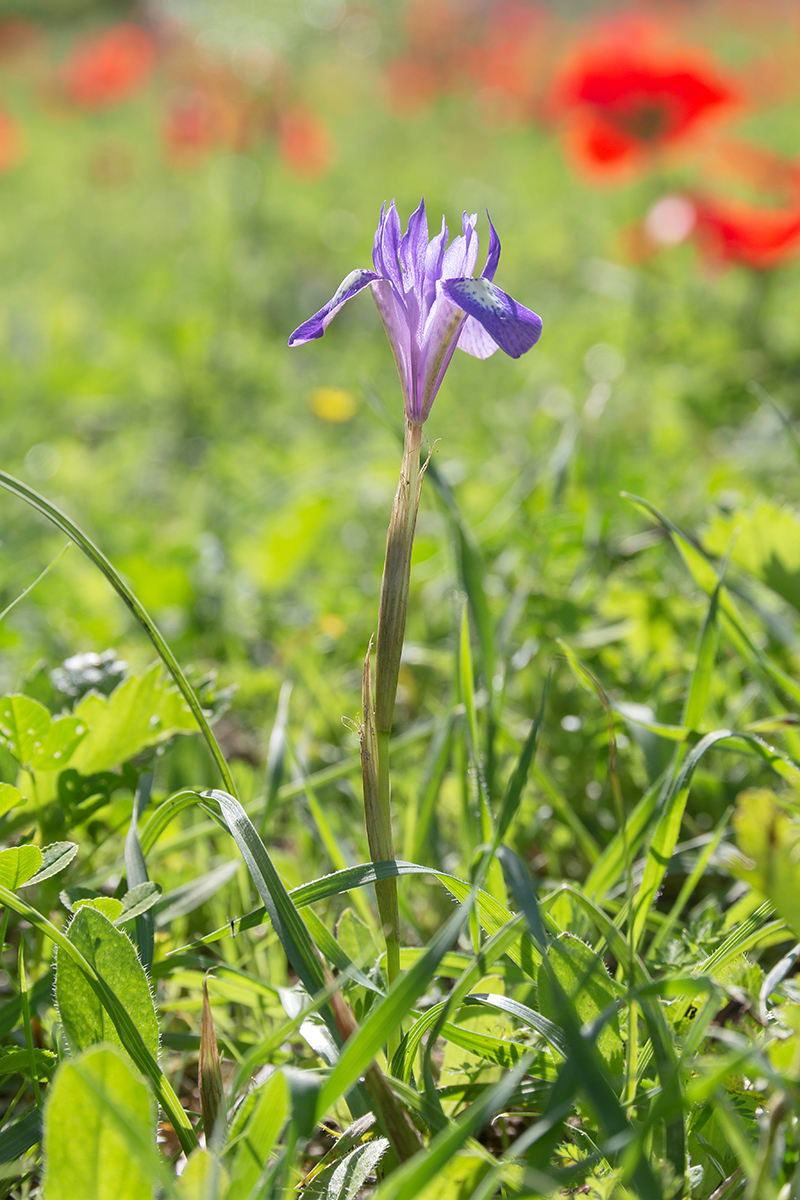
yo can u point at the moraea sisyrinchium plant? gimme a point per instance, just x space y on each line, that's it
430 303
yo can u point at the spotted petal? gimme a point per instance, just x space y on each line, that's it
315 326
514 327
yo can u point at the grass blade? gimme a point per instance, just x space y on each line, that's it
62 521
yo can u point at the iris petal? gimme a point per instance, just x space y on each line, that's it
493 253
315 326
413 246
514 327
475 340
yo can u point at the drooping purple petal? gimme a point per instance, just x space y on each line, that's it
315 326
413 247
493 253
475 340
386 250
514 327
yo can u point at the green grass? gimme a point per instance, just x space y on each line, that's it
594 758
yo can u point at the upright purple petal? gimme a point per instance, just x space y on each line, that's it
315 326
393 313
434 256
462 254
438 343
514 327
385 254
413 246
493 253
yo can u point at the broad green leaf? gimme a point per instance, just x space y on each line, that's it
143 711
59 743
86 1022
109 906
254 1132
138 900
123 1020
99 1131
18 1062
771 842
24 724
55 858
584 979
465 1060
18 865
10 797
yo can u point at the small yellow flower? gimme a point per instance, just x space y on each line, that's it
333 404
332 625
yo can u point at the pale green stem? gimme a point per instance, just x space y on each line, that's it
389 647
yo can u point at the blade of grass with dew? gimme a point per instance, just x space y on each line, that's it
63 522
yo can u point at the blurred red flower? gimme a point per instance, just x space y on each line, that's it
12 142
510 64
305 143
761 238
190 126
727 232
440 35
109 67
625 98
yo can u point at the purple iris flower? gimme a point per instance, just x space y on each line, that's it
430 302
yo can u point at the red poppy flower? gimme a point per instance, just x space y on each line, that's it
756 237
109 67
761 238
304 141
622 102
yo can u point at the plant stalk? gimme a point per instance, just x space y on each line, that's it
388 650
